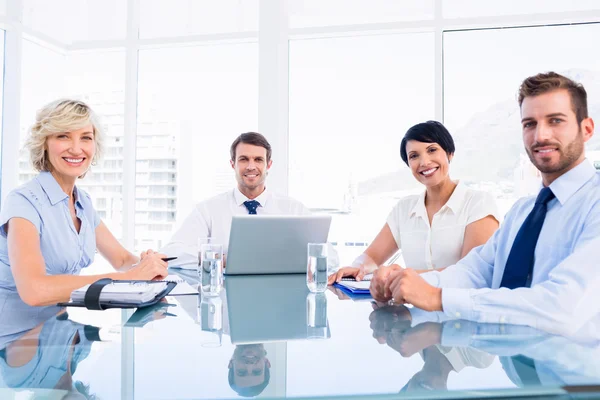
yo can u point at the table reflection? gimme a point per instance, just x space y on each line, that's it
270 337
47 356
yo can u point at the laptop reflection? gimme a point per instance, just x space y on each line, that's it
272 308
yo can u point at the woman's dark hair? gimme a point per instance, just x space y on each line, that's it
428 132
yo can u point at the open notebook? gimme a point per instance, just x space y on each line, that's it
123 292
353 286
183 288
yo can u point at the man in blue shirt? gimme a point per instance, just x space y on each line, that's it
541 267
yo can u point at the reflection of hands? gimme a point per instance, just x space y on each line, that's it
159 315
416 339
407 286
392 325
389 320
338 292
378 285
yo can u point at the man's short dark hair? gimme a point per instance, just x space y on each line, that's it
253 138
428 132
551 81
250 391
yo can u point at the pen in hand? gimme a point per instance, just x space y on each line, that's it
169 258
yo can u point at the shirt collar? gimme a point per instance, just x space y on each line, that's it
240 198
51 187
571 181
77 196
419 207
454 203
457 198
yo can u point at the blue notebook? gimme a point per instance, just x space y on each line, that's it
354 287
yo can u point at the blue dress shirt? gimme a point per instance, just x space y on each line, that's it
49 363
42 202
563 297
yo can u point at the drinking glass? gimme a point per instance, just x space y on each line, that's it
316 269
210 268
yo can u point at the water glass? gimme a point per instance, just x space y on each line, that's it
316 269
210 317
316 315
210 269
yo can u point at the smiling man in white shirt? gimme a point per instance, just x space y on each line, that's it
251 160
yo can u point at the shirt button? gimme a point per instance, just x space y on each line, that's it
457 314
457 325
502 319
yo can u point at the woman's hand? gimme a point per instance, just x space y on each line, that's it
150 267
357 273
146 253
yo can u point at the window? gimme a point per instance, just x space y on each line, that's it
480 107
216 92
476 8
351 101
97 78
2 33
314 13
160 18
71 21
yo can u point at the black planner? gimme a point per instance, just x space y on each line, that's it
92 300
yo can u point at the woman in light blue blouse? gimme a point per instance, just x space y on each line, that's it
49 229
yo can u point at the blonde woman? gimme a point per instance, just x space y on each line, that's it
49 230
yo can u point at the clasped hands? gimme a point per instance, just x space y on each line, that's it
404 286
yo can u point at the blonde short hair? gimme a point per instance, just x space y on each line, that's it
61 116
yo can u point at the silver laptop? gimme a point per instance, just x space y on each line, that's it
273 244
271 308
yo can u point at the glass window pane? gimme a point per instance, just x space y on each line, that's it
312 13
38 87
2 33
477 8
160 18
351 101
480 87
69 21
98 79
187 120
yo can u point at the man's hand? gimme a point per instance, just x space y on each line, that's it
387 320
378 283
407 286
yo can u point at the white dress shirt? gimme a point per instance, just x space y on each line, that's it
439 245
212 218
563 297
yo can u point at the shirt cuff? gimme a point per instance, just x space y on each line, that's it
457 303
419 316
458 333
432 278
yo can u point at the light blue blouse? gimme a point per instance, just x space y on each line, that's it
42 202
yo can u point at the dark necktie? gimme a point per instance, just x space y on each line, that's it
519 265
251 205
525 369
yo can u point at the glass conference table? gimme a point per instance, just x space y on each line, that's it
267 336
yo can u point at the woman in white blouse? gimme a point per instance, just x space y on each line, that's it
438 227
